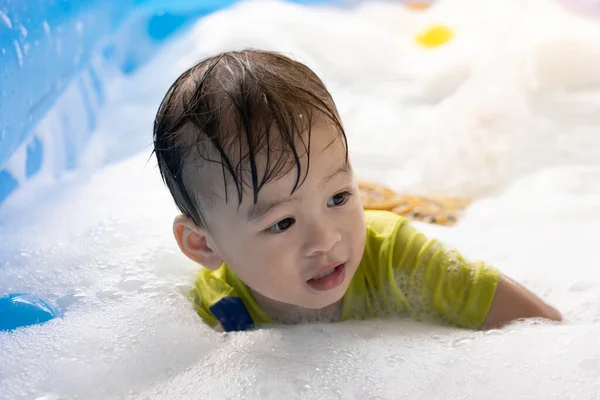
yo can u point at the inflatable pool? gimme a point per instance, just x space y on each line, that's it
458 99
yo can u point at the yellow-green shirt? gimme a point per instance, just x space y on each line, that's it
402 272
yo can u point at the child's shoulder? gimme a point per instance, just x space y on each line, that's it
210 287
219 296
383 223
383 233
215 285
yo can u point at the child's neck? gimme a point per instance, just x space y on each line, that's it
283 313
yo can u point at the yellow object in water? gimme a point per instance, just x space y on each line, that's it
435 36
418 5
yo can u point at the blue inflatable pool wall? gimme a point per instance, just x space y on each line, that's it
52 58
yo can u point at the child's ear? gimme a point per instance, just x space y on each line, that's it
193 243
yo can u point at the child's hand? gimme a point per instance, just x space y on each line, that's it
512 301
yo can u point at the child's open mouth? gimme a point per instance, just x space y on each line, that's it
329 279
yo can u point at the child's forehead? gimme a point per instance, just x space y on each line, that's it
280 173
324 162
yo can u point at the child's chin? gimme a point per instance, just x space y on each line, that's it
328 299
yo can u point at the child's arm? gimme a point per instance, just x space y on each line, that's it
512 301
440 282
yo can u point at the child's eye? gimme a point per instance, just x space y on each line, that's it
339 199
281 226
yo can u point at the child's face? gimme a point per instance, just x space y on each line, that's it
278 251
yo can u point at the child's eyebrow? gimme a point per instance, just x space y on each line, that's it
258 210
344 169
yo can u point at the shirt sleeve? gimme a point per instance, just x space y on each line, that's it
204 294
438 281
219 297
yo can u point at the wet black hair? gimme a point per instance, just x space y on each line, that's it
229 110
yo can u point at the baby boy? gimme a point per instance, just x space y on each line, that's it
253 151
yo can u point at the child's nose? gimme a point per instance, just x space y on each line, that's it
322 238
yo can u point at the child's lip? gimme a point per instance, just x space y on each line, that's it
325 269
329 282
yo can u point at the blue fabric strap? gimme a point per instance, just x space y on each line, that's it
232 314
